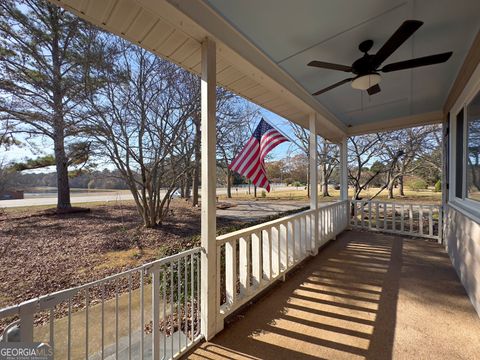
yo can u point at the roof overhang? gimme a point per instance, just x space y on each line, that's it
175 30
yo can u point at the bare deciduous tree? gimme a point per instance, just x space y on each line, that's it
327 153
138 121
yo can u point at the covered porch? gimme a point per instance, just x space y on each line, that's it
365 295
329 282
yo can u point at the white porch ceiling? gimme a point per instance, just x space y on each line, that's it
292 33
263 48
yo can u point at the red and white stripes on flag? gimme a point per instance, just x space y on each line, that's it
250 160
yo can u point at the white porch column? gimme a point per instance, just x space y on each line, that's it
343 170
314 181
208 287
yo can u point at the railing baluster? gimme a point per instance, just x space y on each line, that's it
283 248
291 244
355 213
266 252
362 215
244 268
440 224
410 216
103 321
394 210
402 222
185 295
142 316
384 216
308 234
87 304
69 330
179 312
192 296
303 237
171 311
370 215
164 314
199 299
275 251
231 271
52 325
420 219
377 215
256 260
116 320
430 221
155 315
129 316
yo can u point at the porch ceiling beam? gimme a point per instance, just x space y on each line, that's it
435 117
464 74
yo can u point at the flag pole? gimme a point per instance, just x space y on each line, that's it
281 132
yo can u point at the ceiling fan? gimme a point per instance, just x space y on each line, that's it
367 67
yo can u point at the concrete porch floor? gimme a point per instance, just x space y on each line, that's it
366 295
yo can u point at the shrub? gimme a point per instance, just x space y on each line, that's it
417 184
438 186
264 194
297 184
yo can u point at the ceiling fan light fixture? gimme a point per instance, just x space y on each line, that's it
365 82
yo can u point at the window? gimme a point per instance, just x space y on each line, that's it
472 188
459 156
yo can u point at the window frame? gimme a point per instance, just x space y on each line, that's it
467 96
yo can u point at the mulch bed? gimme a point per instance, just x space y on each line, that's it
42 252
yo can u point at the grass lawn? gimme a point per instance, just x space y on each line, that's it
424 196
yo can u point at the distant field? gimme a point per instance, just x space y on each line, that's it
423 196
300 194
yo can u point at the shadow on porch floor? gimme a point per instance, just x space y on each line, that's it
366 295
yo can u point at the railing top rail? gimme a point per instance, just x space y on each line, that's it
396 203
256 228
222 239
48 300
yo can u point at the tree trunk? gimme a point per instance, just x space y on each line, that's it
325 192
254 191
229 183
400 186
390 189
196 169
61 164
61 160
182 189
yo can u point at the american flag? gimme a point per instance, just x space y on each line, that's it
250 160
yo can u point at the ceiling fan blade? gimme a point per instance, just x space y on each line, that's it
374 89
413 63
396 40
326 65
332 86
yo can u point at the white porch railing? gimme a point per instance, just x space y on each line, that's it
112 318
407 219
114 315
251 259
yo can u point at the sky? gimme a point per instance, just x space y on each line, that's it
44 146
